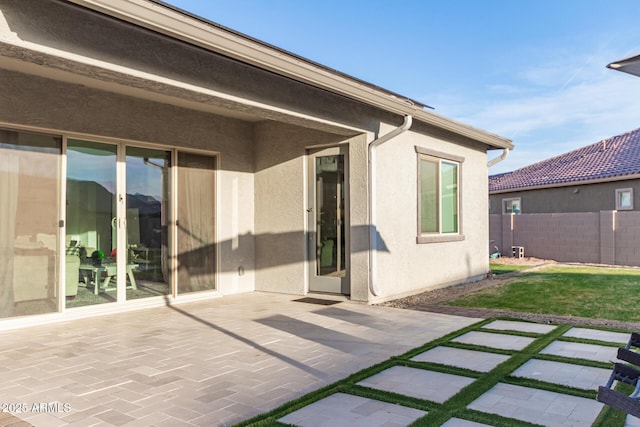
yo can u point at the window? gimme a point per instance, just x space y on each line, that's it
511 206
438 196
624 199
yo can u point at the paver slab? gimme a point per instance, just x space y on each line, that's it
595 334
582 351
584 377
342 409
213 362
488 339
538 406
420 383
632 421
510 325
480 361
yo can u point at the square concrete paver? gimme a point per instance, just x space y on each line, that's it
631 421
584 377
538 406
420 383
480 361
576 350
457 422
488 339
594 334
342 409
510 325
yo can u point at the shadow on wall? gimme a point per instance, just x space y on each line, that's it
271 249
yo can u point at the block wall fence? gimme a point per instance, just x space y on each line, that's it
605 237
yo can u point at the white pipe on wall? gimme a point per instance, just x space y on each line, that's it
505 153
373 238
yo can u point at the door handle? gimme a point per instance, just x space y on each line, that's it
309 210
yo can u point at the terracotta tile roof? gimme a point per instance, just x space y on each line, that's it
611 157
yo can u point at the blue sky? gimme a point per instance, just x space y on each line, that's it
529 70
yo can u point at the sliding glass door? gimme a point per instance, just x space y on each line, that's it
148 211
91 224
29 214
117 222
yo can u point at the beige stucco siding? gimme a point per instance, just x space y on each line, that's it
281 202
62 108
404 266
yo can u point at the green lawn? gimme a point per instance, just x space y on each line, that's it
497 268
592 292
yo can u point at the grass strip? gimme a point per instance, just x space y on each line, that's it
491 419
553 387
574 361
592 342
510 332
271 417
476 347
444 369
391 397
458 403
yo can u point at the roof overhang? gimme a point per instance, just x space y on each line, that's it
630 65
164 19
567 184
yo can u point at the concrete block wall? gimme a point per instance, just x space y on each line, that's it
605 237
627 238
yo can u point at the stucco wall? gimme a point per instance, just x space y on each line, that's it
404 266
576 198
281 200
37 102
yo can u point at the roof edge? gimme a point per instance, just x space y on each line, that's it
568 183
162 18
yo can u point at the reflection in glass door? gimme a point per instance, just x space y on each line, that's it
29 214
327 225
91 222
94 226
148 210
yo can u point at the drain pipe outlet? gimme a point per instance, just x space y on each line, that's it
505 153
373 232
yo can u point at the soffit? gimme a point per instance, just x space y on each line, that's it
162 18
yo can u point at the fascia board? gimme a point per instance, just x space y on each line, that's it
182 27
568 184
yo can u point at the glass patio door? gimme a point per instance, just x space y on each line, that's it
29 223
327 221
117 239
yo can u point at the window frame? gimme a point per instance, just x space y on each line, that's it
619 206
439 157
511 199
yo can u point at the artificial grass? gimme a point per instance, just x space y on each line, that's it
456 406
591 292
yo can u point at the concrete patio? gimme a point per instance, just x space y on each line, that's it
209 363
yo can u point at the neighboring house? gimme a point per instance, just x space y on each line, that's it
579 206
149 156
600 176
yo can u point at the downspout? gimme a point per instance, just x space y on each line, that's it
373 232
505 153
